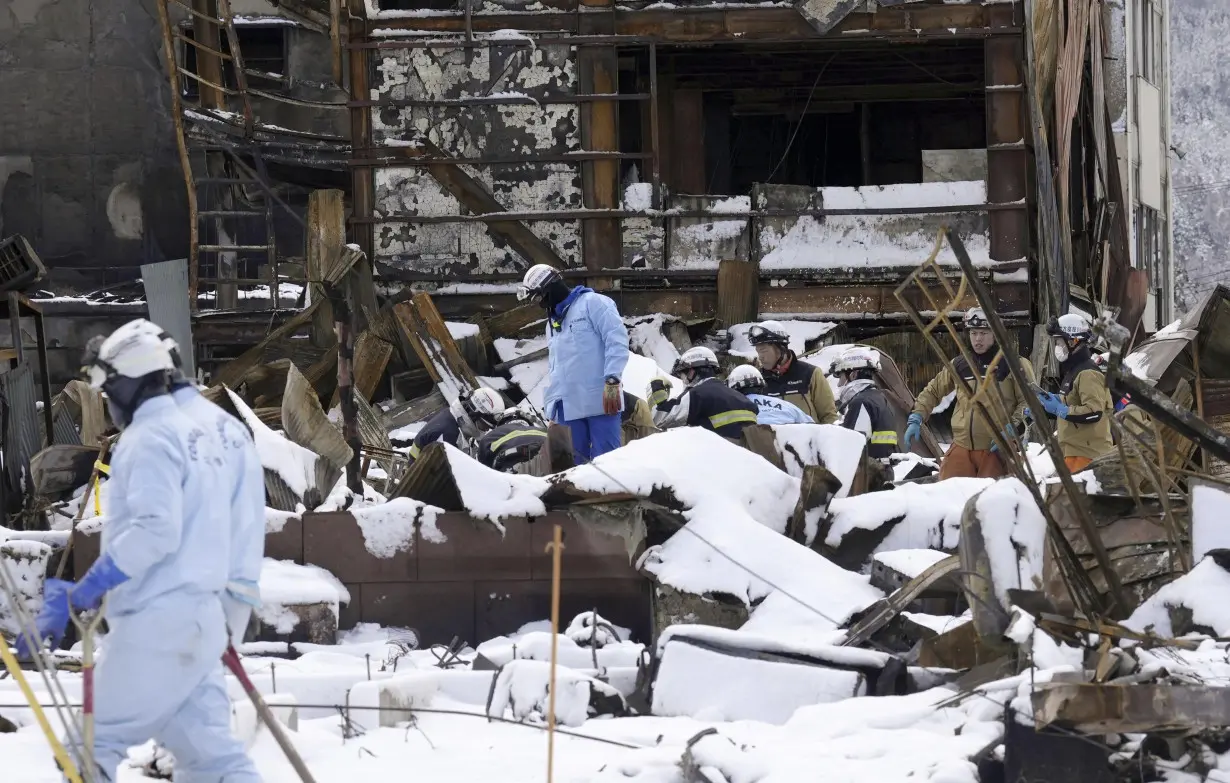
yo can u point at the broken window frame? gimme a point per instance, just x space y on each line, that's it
190 89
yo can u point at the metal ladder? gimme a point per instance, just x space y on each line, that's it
216 195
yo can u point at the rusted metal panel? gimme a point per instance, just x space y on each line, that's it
287 543
476 548
21 426
85 551
437 610
1007 156
502 607
589 553
335 542
351 614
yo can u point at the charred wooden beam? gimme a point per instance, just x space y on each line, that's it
429 335
344 326
1137 708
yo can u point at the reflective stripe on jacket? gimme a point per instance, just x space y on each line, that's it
708 403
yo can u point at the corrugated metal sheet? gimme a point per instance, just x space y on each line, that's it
65 428
21 429
166 293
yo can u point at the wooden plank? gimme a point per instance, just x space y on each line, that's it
475 197
509 322
1137 708
759 439
231 372
429 335
817 489
598 73
208 65
738 294
326 236
371 357
688 138
886 609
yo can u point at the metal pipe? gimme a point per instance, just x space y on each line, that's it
607 214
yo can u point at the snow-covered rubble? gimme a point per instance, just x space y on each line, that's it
1201 593
919 516
388 528
285 584
836 448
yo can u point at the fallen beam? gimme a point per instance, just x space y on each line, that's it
431 340
1137 708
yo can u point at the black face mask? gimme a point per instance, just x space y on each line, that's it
555 292
125 395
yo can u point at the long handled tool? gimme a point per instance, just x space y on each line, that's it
87 627
231 659
57 748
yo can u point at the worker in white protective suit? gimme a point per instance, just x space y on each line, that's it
246 480
163 564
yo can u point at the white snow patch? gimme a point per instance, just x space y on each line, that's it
1203 590
389 528
536 646
910 562
276 520
292 462
638 197
930 514
1014 533
523 687
460 331
493 495
835 447
284 583
646 337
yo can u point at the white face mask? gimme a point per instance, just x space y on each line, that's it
1061 352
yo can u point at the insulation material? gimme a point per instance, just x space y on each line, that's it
528 126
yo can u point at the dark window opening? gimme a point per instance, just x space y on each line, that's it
733 116
263 49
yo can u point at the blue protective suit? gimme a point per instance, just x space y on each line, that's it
772 410
160 673
246 477
588 343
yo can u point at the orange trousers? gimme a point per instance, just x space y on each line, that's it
960 462
1076 464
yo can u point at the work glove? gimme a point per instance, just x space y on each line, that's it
1008 434
612 396
1053 405
52 620
659 392
913 430
102 577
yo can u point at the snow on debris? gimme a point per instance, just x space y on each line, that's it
1202 590
700 468
522 688
924 516
1014 534
460 331
388 528
836 448
491 494
801 332
646 337
292 462
536 646
276 520
285 583
910 562
638 196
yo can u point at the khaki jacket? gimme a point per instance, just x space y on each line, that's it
1086 430
804 385
969 428
638 422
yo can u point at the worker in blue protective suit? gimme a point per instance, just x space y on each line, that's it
587 353
164 564
246 478
748 381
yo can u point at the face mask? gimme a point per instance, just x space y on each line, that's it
1061 352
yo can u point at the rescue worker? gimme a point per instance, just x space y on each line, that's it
789 378
469 415
863 406
1084 405
246 477
636 419
164 563
706 401
587 353
509 444
973 448
748 381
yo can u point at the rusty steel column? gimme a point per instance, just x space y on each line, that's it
362 179
1007 153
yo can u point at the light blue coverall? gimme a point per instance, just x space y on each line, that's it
160 673
588 343
774 410
246 477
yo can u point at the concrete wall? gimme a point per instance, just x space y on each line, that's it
88 168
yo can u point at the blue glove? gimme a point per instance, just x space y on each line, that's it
102 576
913 430
1053 405
52 620
1008 434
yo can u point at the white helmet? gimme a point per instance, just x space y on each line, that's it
135 350
769 333
1073 325
537 277
745 377
695 358
976 318
856 357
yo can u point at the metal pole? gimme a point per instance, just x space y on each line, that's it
653 126
556 548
